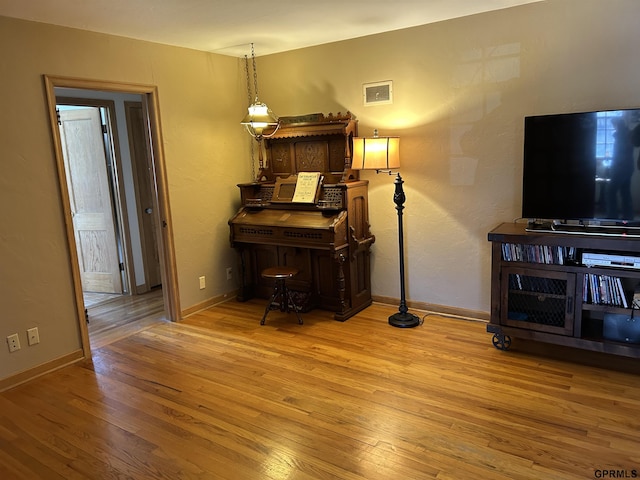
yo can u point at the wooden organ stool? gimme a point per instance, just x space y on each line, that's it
281 297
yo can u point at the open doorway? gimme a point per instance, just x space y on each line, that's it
111 244
135 274
94 180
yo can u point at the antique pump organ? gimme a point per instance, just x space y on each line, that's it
324 235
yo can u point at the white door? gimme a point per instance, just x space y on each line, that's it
90 197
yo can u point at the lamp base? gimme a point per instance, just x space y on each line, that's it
404 320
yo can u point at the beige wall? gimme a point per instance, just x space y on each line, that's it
205 157
461 89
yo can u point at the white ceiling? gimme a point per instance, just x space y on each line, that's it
229 27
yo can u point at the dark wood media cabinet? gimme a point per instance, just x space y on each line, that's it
542 291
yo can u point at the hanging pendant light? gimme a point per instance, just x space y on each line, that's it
259 116
258 119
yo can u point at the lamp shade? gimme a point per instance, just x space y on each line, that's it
259 118
376 153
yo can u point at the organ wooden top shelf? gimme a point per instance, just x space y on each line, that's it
311 143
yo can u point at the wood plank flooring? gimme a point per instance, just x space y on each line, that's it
113 317
95 298
217 396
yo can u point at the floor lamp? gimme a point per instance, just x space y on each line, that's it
382 154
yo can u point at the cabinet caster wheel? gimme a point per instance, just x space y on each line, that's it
501 342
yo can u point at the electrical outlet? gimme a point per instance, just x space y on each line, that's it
229 273
33 336
14 342
203 283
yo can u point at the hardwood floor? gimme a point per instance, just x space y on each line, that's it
113 317
95 298
220 397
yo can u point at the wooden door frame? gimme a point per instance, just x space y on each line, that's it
151 107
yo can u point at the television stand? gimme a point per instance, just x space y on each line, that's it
543 289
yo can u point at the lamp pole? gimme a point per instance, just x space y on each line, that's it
402 318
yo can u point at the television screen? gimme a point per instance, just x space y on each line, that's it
583 167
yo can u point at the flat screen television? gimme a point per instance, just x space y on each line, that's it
581 169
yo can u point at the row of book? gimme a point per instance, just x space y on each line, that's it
548 254
604 290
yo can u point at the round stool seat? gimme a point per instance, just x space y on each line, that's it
279 273
281 298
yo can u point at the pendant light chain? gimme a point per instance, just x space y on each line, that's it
255 90
255 72
246 67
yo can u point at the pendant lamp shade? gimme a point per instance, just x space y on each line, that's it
258 118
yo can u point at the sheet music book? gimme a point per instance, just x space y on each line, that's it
307 187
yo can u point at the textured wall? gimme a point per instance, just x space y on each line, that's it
204 153
461 89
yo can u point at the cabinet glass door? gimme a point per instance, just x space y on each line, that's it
538 300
